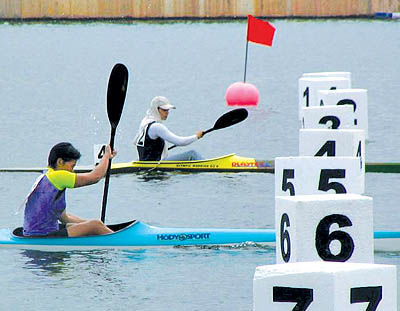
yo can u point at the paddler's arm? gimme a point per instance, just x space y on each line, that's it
69 218
160 130
83 179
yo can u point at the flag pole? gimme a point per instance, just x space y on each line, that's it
245 62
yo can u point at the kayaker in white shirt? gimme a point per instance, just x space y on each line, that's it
152 135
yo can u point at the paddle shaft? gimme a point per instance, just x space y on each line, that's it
107 180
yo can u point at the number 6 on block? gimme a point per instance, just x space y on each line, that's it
324 228
318 175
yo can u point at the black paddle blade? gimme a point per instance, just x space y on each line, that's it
230 118
116 92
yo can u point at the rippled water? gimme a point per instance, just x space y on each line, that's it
53 81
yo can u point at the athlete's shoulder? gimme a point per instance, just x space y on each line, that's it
61 178
157 128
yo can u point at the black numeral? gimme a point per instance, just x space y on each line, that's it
372 294
359 149
101 152
285 238
288 174
306 94
303 297
326 174
349 102
329 148
323 238
335 121
359 154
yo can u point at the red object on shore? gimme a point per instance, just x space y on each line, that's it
242 94
259 31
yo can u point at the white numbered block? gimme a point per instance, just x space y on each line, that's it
98 152
356 98
339 143
337 74
334 227
328 117
327 286
318 175
309 87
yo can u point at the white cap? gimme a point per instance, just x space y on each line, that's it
161 102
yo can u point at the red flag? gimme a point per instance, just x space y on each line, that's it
259 31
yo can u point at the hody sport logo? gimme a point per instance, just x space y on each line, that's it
183 236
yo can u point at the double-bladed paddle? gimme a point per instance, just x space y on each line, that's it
227 119
116 92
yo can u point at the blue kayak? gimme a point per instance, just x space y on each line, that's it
136 234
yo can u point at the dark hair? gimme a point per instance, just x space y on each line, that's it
65 151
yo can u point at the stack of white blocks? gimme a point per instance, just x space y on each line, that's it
324 223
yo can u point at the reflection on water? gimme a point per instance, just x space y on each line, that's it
250 246
153 175
134 255
98 262
51 262
63 262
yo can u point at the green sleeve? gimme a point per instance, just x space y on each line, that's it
61 179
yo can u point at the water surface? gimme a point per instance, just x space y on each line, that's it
53 82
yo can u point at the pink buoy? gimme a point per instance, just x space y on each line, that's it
242 94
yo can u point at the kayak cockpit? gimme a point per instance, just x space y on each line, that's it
118 227
18 232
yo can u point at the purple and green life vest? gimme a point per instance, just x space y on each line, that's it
43 209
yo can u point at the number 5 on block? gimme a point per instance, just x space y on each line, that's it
318 175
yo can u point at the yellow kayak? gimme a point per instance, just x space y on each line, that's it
227 163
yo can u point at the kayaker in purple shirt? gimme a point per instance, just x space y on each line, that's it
45 208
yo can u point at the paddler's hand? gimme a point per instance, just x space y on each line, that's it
109 154
199 134
83 179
